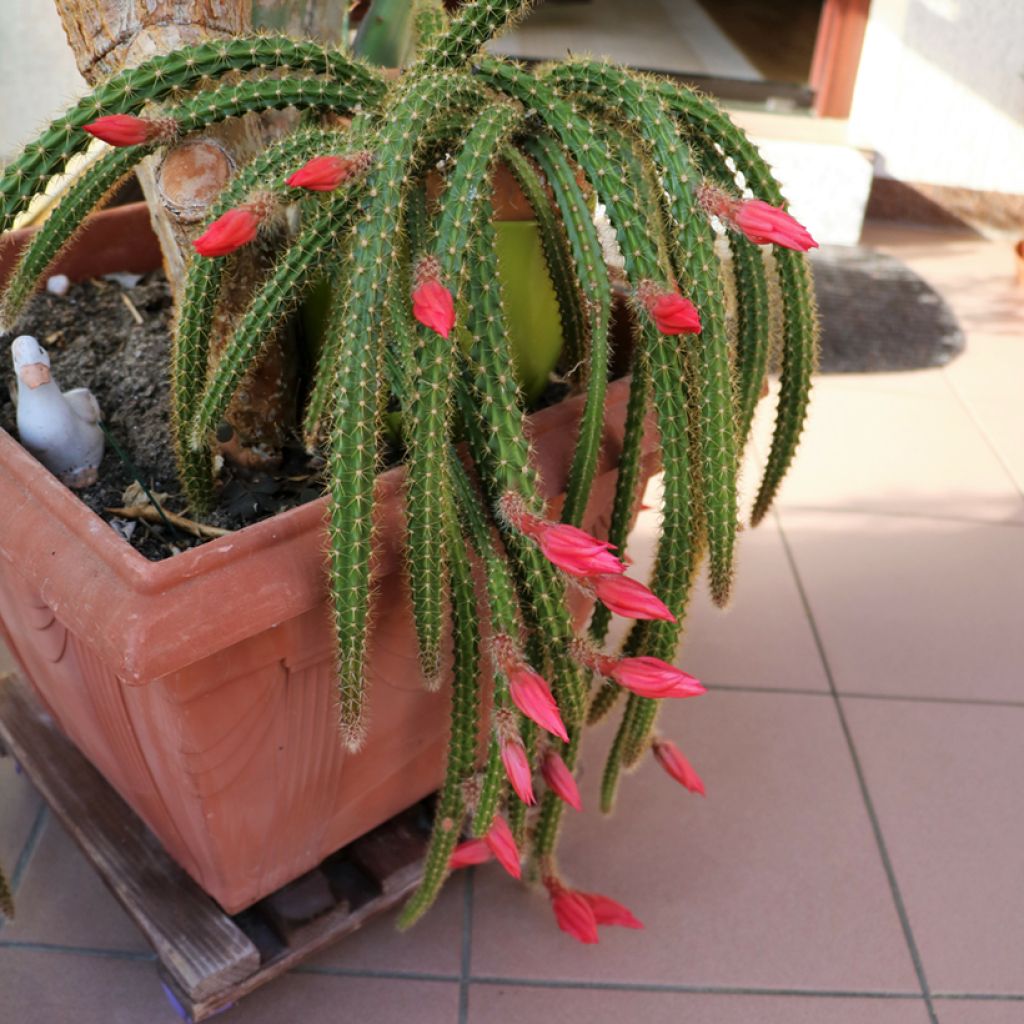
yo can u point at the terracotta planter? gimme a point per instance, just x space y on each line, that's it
202 686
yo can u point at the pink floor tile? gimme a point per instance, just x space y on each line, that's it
50 988
977 1011
41 988
19 806
763 638
915 607
433 946
945 780
896 450
497 1005
61 901
774 880
319 999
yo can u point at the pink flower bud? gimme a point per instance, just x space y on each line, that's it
126 130
503 845
652 677
569 548
472 851
609 911
671 313
572 912
229 232
629 598
670 757
432 303
517 768
763 223
560 780
576 552
528 690
326 173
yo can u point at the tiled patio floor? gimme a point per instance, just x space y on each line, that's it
859 858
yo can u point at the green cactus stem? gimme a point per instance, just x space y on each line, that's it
799 315
596 300
130 91
461 762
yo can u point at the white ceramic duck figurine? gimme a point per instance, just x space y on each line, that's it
60 430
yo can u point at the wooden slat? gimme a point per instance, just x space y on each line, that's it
200 947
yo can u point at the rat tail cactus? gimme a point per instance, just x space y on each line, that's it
384 189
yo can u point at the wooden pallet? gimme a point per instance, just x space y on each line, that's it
208 960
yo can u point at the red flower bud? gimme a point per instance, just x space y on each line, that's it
672 314
763 223
326 173
670 757
629 598
127 130
652 677
576 552
560 780
503 845
609 911
528 690
573 913
472 851
432 303
517 768
229 232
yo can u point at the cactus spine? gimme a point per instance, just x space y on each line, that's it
575 134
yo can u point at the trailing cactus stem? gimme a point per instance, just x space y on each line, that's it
799 315
490 394
624 506
596 299
151 82
432 366
799 360
88 191
461 761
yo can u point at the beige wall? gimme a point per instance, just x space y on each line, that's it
38 77
940 92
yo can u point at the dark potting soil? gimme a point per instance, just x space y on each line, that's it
95 341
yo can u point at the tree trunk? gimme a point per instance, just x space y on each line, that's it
181 184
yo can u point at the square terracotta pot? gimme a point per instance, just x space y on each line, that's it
202 686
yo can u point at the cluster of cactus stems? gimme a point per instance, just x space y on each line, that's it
418 317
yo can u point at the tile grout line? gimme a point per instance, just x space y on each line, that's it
680 989
369 972
881 513
54 947
466 961
31 844
856 695
967 406
27 852
876 826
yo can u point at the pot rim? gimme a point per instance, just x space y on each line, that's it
142 606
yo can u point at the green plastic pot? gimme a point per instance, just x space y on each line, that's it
531 311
